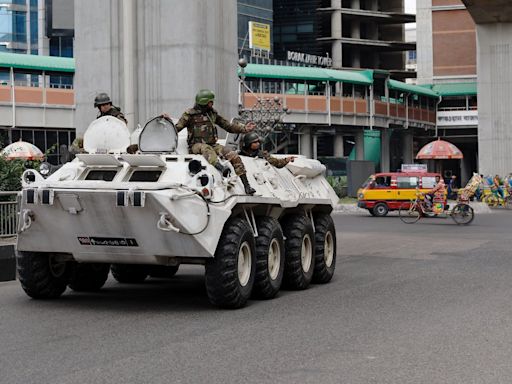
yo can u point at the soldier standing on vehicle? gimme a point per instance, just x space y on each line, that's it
201 122
103 102
252 147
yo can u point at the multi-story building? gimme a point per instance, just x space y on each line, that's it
260 11
354 33
37 27
446 62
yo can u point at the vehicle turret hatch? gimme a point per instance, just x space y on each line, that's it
159 135
107 134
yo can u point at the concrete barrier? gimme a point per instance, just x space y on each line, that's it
7 263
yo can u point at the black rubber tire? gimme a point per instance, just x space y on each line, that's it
89 277
223 284
370 210
298 229
380 210
162 271
325 259
270 235
129 273
463 214
40 277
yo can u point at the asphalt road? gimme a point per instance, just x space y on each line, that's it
421 303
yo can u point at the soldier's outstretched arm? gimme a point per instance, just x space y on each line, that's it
230 127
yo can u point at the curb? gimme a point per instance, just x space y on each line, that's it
478 207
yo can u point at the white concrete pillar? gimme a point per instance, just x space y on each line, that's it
305 142
336 34
494 95
384 150
359 139
338 146
168 73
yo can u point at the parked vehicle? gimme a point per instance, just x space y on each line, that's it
384 192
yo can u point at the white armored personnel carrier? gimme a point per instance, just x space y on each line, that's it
145 214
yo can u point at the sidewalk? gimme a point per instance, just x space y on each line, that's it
346 209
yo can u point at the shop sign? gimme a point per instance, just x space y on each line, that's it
454 118
306 58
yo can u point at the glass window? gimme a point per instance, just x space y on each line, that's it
428 182
105 175
148 176
407 181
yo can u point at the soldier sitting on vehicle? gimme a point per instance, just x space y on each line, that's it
103 102
201 122
251 147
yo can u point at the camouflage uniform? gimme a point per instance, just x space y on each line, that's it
114 111
202 135
278 163
78 144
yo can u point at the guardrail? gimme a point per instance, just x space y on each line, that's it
8 214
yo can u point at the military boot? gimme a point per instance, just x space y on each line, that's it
248 189
222 169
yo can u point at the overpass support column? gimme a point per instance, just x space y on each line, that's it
494 95
384 150
359 139
407 145
305 142
338 146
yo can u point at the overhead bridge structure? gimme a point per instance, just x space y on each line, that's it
37 97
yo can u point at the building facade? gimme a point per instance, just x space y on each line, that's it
446 61
260 11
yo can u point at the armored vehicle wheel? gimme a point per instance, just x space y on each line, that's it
325 248
129 273
89 277
230 274
161 271
299 262
43 275
269 258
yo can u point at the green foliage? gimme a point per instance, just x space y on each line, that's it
339 184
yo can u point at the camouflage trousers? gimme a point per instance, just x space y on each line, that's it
212 152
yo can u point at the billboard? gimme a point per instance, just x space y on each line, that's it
259 36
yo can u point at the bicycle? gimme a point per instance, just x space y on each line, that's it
493 199
462 213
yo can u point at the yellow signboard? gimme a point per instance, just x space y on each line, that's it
259 36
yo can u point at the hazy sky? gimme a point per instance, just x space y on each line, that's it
410 6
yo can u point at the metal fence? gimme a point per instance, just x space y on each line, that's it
8 214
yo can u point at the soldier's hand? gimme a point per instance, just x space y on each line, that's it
290 159
250 126
166 116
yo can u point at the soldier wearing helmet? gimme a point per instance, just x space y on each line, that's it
251 146
103 102
201 122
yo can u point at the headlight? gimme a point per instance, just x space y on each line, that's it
360 196
44 169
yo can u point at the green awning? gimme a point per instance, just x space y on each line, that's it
37 62
455 89
410 88
307 73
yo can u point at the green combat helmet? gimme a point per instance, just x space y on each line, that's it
204 96
250 138
101 99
